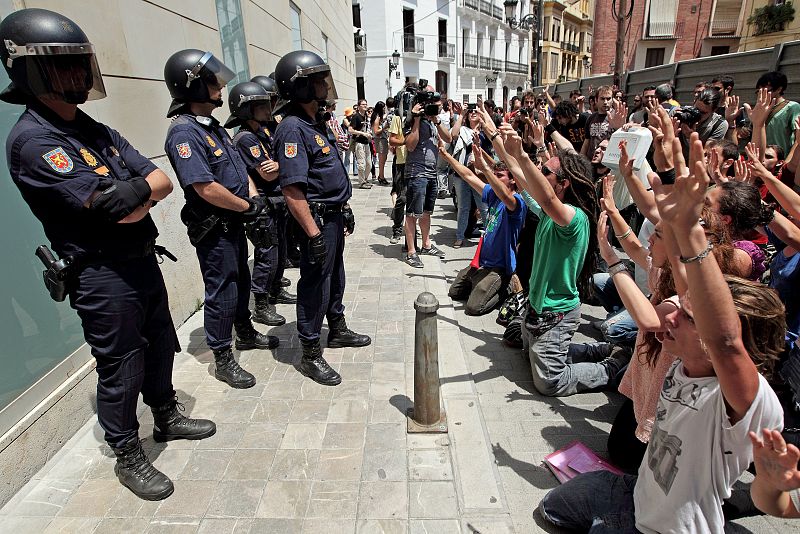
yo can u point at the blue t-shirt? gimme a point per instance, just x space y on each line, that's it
499 247
785 279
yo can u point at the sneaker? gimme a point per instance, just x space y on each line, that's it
414 261
433 251
395 239
365 185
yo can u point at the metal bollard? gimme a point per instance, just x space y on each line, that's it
427 415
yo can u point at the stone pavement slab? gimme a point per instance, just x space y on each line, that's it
291 456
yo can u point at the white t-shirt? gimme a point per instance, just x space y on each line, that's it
695 454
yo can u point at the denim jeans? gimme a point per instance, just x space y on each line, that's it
606 292
561 368
464 195
594 502
620 329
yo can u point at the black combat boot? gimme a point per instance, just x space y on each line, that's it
248 338
136 473
341 336
228 370
314 366
282 296
265 313
169 423
285 282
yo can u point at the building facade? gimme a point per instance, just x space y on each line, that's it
493 58
661 32
47 379
566 40
765 30
422 33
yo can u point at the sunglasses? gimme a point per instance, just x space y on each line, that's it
546 170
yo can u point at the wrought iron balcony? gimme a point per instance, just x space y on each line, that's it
665 30
413 44
360 42
516 68
725 27
447 51
470 61
472 4
497 65
485 62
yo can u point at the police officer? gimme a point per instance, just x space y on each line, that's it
316 187
220 197
92 192
251 108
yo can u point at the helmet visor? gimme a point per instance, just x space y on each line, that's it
211 71
75 78
323 86
256 101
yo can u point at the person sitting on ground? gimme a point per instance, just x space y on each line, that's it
724 331
484 287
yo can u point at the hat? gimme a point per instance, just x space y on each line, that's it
348 111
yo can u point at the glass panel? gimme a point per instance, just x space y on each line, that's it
37 332
231 35
294 21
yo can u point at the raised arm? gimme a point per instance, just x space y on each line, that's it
505 195
643 198
462 170
630 243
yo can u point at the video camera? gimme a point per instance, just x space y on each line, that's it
430 101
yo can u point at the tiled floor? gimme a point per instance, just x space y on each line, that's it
291 456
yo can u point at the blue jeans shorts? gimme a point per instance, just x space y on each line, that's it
421 195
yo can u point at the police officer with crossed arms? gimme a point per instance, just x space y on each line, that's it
316 187
220 199
251 109
92 192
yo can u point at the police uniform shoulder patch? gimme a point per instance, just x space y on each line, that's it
88 157
184 150
59 160
211 142
290 150
255 150
319 140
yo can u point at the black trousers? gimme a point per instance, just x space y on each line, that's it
321 286
269 262
125 315
624 448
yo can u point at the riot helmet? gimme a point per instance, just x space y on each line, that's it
243 100
303 77
47 55
188 73
267 83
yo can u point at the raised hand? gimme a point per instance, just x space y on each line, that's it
713 168
742 171
757 169
764 104
606 250
776 461
617 115
512 141
680 205
732 108
607 201
625 162
457 107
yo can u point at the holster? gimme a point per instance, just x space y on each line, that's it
262 232
58 275
199 224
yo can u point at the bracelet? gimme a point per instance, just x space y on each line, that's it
541 150
617 268
626 234
494 135
614 265
700 257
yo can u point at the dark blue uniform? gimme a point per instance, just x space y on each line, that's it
268 262
201 151
117 289
308 160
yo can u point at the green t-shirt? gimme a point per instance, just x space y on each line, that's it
557 260
780 128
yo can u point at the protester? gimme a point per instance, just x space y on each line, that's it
380 131
361 137
784 113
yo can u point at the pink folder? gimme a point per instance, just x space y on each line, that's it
574 459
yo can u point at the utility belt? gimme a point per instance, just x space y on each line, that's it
61 275
318 209
276 205
200 223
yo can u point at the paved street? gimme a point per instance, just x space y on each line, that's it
292 457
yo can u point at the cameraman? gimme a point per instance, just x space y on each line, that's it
423 131
702 118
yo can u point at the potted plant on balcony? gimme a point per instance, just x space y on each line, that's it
771 18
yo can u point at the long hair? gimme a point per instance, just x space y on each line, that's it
582 194
377 112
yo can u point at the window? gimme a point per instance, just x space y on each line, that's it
360 87
546 27
720 50
294 21
553 66
441 81
490 94
325 47
357 15
654 57
231 36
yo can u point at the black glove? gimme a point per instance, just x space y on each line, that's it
317 249
349 219
257 205
119 198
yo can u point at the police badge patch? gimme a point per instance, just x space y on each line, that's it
319 140
211 142
255 151
88 157
184 150
290 150
59 160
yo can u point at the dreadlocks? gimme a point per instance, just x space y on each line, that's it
582 194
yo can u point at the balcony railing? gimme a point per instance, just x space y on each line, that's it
470 61
665 30
447 50
413 44
497 65
472 4
497 12
569 47
361 42
724 26
485 62
486 7
516 68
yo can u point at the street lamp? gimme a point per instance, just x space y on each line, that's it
393 61
532 22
